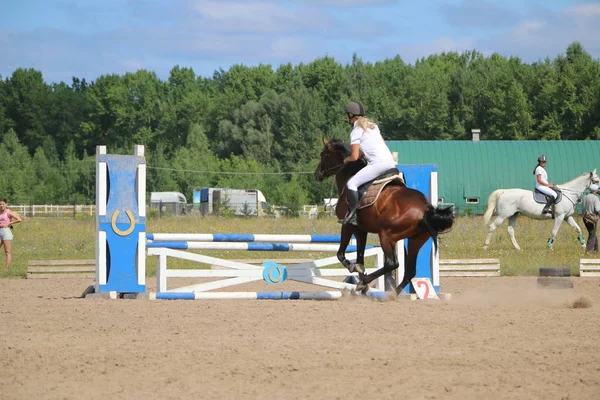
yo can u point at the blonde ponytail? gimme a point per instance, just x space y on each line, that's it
365 123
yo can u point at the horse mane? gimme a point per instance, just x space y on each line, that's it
584 175
339 145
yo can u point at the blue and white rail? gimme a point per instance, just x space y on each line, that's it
242 237
249 246
328 295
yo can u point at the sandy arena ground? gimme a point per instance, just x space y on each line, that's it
498 338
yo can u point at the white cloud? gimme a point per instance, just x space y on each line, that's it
479 13
254 17
89 39
547 34
133 64
588 10
527 29
351 3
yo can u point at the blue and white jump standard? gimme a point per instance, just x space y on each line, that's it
120 222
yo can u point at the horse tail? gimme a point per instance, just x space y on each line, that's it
492 201
438 220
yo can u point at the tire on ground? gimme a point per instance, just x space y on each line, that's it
555 271
552 282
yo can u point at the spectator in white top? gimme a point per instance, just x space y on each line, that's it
365 137
543 185
591 212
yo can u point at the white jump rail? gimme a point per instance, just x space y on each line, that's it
589 268
472 267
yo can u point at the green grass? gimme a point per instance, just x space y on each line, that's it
467 237
53 238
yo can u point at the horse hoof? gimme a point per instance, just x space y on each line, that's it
358 268
362 288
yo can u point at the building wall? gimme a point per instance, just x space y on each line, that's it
474 169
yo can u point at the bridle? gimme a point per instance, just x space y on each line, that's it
337 168
577 192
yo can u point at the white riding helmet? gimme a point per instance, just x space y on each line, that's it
594 187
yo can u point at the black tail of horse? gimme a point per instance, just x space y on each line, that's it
438 220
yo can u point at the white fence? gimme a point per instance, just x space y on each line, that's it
49 210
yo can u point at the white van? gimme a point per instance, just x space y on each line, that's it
173 202
243 202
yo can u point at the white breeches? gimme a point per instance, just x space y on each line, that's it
370 172
546 190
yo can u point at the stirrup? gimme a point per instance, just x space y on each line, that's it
351 220
547 210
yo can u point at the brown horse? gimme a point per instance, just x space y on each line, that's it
398 213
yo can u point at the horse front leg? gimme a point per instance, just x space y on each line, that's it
390 263
361 240
361 243
555 228
571 221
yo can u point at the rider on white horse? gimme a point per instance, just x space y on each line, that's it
542 184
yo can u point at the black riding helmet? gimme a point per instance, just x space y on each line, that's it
355 108
542 158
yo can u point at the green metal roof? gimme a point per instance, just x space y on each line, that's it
474 169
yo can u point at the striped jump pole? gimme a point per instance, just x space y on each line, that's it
243 237
330 295
250 246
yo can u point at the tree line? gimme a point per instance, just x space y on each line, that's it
261 128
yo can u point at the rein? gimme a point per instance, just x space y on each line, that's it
336 168
331 190
339 168
573 191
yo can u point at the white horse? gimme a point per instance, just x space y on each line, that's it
510 202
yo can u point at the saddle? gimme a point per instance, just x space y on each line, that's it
543 198
369 192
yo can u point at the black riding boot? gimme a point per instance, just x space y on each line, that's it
549 203
352 196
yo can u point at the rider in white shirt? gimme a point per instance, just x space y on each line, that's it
365 136
542 184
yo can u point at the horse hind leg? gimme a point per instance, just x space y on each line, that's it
493 226
410 265
512 221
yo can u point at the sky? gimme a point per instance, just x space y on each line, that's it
86 39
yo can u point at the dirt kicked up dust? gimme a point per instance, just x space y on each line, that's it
498 338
